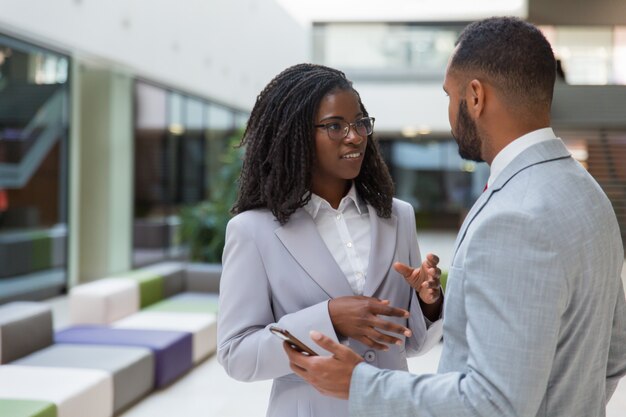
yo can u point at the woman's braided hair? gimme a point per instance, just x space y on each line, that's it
280 148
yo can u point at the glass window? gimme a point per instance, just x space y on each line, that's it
394 49
152 208
220 126
178 143
191 179
432 177
590 55
33 170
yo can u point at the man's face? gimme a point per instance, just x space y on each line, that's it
466 134
464 128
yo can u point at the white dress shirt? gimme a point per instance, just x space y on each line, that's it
346 233
519 145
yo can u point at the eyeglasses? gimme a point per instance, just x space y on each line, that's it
340 129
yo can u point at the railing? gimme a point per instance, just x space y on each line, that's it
44 131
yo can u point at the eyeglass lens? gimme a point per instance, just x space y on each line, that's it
341 129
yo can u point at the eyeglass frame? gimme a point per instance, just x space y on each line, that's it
350 126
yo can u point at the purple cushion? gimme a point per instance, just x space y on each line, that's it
172 350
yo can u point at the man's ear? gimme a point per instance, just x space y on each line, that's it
475 97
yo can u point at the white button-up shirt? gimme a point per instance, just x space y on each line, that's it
346 233
519 145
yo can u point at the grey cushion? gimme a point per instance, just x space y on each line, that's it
202 277
24 328
132 368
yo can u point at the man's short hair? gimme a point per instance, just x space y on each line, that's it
512 54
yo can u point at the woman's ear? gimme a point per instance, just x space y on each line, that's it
475 97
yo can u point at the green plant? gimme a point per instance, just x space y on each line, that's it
203 226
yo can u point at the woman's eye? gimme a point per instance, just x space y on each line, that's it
334 126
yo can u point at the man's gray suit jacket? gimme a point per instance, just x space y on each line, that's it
535 318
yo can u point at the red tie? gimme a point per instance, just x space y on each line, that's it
485 189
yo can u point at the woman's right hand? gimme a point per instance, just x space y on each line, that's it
357 317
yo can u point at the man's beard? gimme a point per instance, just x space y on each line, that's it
467 135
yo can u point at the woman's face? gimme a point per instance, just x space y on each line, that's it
337 161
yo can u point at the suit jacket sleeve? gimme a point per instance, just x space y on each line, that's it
616 366
247 350
513 314
424 336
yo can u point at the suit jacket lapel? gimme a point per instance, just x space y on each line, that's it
301 238
542 152
382 250
476 208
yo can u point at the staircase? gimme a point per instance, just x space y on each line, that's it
607 164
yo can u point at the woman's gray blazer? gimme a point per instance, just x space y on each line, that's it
284 276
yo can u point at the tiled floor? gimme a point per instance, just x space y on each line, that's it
207 391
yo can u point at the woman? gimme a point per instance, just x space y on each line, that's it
313 242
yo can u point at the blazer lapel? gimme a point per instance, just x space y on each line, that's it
301 238
382 250
476 208
542 152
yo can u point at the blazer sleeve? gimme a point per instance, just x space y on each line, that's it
425 335
247 350
616 365
510 359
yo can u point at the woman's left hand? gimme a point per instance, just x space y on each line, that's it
425 280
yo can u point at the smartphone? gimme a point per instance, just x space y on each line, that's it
293 341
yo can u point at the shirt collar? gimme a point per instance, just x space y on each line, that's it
513 149
316 202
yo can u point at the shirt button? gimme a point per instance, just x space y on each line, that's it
338 216
369 356
349 244
359 274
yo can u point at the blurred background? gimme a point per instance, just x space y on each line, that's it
118 117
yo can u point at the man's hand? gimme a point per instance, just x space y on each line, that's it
424 280
330 375
357 317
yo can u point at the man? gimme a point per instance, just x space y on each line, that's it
535 316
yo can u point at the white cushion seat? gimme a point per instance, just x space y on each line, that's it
103 301
76 392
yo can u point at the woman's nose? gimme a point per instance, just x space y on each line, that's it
353 136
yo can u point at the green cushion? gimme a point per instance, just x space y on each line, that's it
185 306
150 286
27 408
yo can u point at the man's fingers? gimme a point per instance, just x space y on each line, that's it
327 343
297 369
298 361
